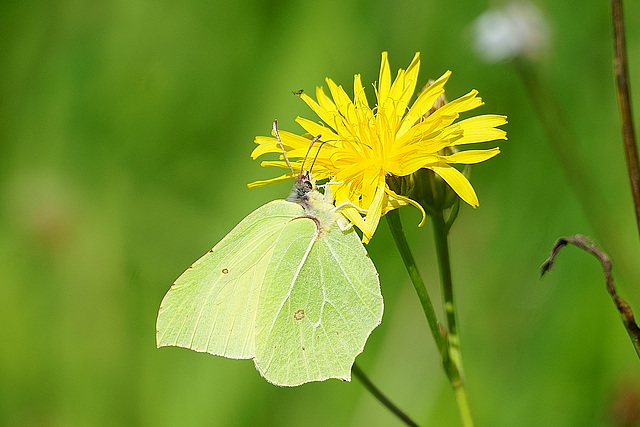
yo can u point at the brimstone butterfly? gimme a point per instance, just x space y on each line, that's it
287 287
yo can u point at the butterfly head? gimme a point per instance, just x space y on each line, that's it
304 185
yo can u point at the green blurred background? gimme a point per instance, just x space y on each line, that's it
125 133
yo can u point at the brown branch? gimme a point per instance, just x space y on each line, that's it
585 243
624 104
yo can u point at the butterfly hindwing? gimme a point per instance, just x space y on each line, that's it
319 303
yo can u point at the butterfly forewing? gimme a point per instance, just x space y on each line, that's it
212 306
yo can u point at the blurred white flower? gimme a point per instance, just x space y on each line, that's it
517 28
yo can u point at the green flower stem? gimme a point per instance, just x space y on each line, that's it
442 248
463 406
393 219
448 350
440 232
375 391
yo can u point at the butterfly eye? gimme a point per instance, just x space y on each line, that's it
308 185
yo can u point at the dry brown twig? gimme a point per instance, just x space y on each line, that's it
587 244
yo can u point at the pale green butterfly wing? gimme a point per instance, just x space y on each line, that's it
286 287
212 306
319 303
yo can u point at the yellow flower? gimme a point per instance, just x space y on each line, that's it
364 146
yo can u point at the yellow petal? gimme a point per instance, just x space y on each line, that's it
265 145
412 162
396 201
469 157
262 183
339 96
279 164
325 110
372 218
364 113
458 182
325 102
349 173
482 128
384 81
423 103
402 89
411 79
356 219
446 137
316 129
452 110
299 146
292 143
341 193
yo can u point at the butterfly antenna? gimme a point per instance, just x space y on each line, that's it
317 153
306 156
275 131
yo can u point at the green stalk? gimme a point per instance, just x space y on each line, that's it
442 250
443 341
375 391
393 219
441 236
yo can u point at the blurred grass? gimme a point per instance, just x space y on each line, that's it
125 133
